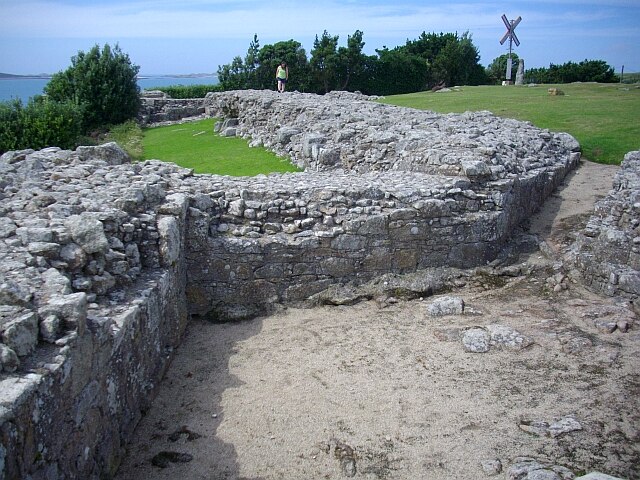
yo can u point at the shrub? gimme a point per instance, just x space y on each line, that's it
41 123
585 71
10 136
48 123
189 91
102 82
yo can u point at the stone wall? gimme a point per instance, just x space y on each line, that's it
92 303
157 107
607 252
255 242
103 260
392 190
349 132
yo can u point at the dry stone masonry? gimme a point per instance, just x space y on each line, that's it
157 107
346 131
607 251
104 260
92 304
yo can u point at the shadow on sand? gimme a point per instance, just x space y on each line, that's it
177 437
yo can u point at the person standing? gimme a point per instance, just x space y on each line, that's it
282 75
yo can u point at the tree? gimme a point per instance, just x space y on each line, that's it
351 63
233 75
596 71
396 71
413 67
103 83
470 72
252 62
429 45
291 52
324 62
498 67
239 74
258 68
445 57
457 63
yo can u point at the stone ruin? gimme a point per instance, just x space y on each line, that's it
104 260
157 107
606 253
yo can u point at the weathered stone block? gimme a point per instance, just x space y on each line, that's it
446 306
12 293
88 232
476 340
21 333
72 309
285 133
170 246
9 361
110 153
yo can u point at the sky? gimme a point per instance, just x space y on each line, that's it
196 36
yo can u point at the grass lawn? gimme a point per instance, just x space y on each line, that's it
194 145
604 118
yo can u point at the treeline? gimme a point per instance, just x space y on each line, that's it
585 71
432 59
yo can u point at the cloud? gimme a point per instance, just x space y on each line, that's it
240 19
567 24
275 19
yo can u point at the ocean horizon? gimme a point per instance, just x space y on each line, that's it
23 88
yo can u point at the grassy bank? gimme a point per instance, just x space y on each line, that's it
194 145
604 118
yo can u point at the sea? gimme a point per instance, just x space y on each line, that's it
25 88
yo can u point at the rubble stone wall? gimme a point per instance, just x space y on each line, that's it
607 252
157 107
92 303
257 242
104 260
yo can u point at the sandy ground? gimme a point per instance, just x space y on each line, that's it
389 392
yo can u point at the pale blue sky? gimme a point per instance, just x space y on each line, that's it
195 36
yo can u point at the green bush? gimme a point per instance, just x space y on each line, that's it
47 123
103 83
585 71
41 123
10 132
188 91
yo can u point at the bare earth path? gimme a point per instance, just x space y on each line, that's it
370 392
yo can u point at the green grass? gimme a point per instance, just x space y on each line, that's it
194 145
129 136
604 118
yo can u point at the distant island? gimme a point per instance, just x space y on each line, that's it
9 76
